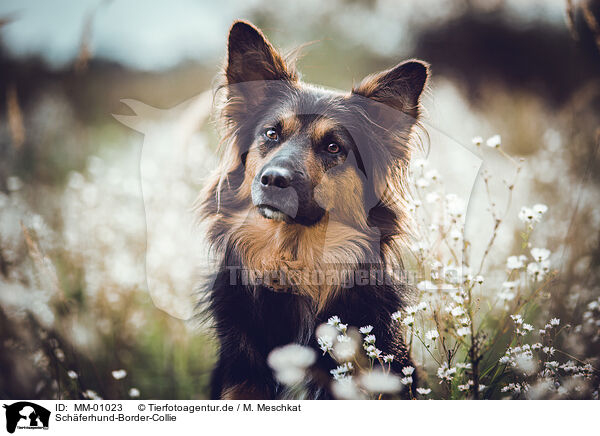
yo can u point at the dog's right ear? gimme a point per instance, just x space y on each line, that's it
251 57
399 88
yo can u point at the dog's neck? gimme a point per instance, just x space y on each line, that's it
313 260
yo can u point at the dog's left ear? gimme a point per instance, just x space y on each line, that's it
399 88
251 57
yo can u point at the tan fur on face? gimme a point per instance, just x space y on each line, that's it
290 124
254 163
341 193
321 127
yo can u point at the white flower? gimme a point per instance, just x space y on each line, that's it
345 349
342 327
515 262
420 163
527 327
366 329
326 332
512 387
463 331
457 311
554 321
432 174
422 306
290 362
72 374
134 393
396 316
545 266
477 140
458 298
523 330
92 395
342 371
325 344
540 254
506 296
422 182
423 391
532 214
370 339
346 389
517 319
549 350
455 205
432 335
494 141
408 321
411 310
479 279
291 355
569 366
334 320
413 205
388 358
380 382
343 338
527 215
455 234
534 270
119 374
408 370
290 376
510 285
540 209
373 352
432 197
406 380
446 373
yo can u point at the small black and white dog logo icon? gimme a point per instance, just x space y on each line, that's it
26 415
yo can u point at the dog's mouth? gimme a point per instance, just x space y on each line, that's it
272 213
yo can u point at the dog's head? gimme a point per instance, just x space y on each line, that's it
295 154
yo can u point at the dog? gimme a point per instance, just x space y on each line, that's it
309 179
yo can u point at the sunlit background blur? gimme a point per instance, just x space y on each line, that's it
76 315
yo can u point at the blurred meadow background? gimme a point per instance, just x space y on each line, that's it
77 317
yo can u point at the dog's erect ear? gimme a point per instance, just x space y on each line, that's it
251 57
399 88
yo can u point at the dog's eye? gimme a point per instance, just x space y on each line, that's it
271 134
333 148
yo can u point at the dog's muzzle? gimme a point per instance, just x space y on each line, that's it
274 195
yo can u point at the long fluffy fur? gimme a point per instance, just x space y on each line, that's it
252 319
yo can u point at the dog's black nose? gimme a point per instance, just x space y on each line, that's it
276 176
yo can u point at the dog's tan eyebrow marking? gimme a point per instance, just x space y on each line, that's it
321 127
290 124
